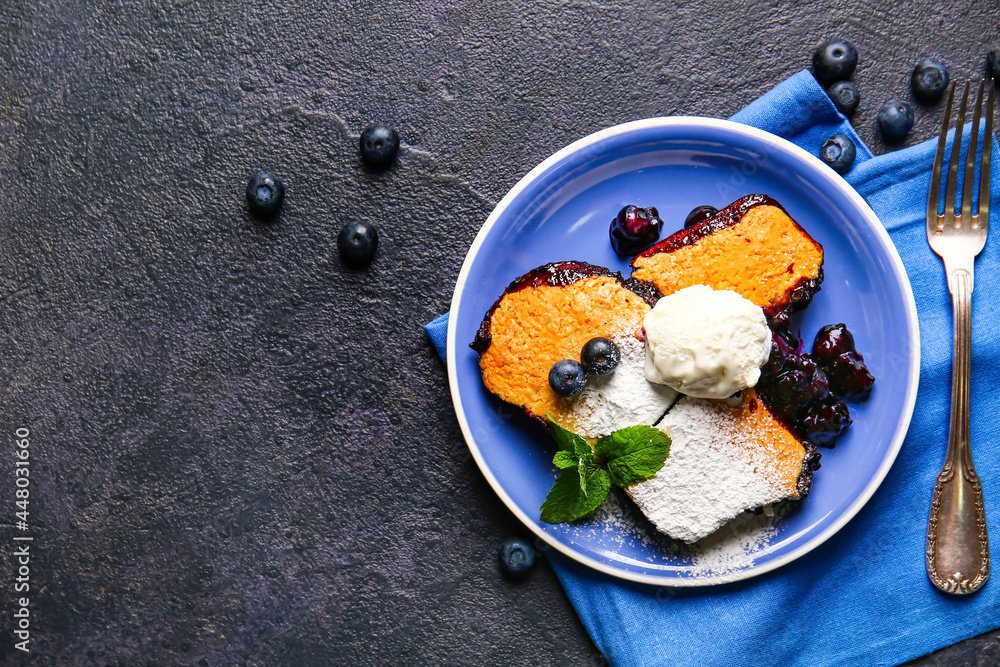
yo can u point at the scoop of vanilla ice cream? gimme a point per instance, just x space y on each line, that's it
706 343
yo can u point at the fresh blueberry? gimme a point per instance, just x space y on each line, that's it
993 64
516 557
895 119
600 356
834 60
357 243
265 193
838 152
699 213
929 80
567 378
379 145
845 96
634 229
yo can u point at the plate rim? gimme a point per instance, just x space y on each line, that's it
833 179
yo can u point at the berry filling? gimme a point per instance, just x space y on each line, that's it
834 351
634 229
699 213
806 391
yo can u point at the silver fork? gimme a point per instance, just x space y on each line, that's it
958 550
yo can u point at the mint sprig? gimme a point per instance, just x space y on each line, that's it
575 452
633 454
578 491
565 460
627 456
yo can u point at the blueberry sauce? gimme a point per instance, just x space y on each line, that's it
807 391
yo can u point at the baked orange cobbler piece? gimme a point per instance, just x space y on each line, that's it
752 247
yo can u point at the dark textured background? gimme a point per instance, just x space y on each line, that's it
245 453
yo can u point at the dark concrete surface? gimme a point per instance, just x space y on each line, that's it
242 452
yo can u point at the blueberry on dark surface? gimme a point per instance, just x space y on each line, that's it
993 64
357 243
895 119
516 557
834 60
845 96
822 426
832 341
699 213
929 80
265 192
379 145
634 229
838 152
600 356
567 378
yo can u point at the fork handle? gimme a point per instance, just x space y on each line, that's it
958 549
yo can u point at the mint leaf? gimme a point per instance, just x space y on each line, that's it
633 454
564 459
577 491
574 451
569 441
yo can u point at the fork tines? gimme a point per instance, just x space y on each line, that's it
967 218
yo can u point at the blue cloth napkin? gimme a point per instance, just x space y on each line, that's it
863 597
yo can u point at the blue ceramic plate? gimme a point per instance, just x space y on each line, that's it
561 211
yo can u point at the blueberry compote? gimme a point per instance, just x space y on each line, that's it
835 353
634 229
807 391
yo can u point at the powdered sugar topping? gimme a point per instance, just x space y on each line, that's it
714 472
623 398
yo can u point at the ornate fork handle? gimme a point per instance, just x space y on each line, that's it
958 549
